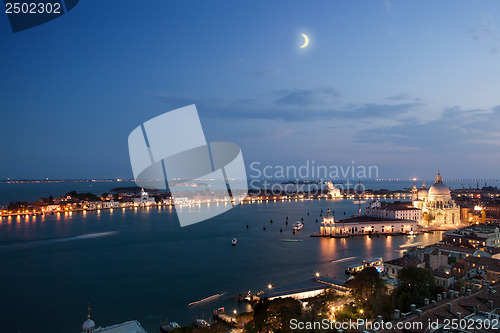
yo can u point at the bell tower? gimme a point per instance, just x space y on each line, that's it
414 193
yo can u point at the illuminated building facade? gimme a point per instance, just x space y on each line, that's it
436 203
365 225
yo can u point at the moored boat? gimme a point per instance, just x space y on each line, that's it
378 263
354 268
168 326
201 323
297 226
234 242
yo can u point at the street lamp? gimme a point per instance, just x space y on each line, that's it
269 286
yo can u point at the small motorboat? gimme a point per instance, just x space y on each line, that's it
168 326
234 242
297 226
201 323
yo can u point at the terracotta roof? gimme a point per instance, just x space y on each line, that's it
441 310
403 262
372 219
441 274
452 248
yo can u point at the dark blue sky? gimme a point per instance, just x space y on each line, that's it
409 87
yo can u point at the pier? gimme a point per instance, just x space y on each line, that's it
305 289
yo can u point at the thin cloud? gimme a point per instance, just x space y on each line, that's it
266 72
399 97
307 97
485 34
455 130
388 5
297 105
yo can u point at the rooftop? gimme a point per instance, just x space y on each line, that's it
452 308
452 248
132 326
322 282
403 262
367 219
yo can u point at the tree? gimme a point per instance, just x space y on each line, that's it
18 206
368 289
275 315
414 285
366 283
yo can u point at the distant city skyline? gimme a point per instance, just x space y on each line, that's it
409 87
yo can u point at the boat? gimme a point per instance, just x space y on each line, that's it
201 323
378 263
168 326
297 226
354 268
234 242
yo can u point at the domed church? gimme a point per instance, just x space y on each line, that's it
436 203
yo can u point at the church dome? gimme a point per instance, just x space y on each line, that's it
423 192
88 324
439 188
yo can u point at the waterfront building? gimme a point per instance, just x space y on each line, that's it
478 236
126 327
306 289
333 192
364 225
401 210
440 256
49 208
144 199
436 203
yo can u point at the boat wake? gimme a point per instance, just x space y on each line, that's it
409 245
342 260
206 300
27 245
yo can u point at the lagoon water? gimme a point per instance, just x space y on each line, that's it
140 264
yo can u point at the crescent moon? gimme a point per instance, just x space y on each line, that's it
306 41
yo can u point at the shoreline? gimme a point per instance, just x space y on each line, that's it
247 200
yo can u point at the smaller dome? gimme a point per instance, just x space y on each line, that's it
88 324
423 193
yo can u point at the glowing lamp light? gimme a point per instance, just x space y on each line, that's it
478 208
269 286
317 274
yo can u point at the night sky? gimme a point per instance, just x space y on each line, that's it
411 87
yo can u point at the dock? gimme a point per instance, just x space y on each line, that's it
305 289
